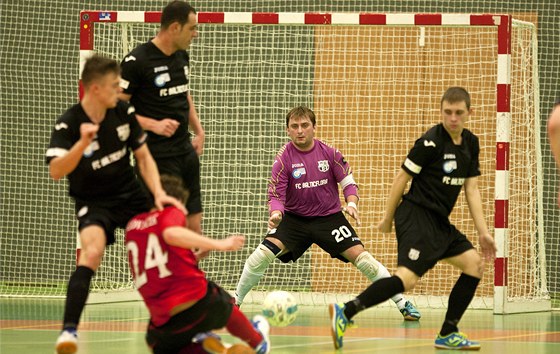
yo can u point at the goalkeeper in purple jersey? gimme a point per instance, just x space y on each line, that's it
304 206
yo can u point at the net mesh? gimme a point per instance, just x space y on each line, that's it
371 104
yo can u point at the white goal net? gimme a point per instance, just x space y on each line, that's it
375 89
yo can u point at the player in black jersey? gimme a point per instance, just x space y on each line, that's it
155 79
91 144
440 164
553 127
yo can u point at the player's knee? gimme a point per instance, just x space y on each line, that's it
408 278
368 265
262 256
474 266
409 283
478 267
91 257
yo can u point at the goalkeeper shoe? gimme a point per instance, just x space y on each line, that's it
456 341
67 342
339 324
409 312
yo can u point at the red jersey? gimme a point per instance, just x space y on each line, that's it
165 276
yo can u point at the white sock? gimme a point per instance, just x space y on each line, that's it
255 267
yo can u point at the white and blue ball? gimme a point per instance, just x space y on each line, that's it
280 308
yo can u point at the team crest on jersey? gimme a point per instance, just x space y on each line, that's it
413 254
449 166
323 165
123 131
162 79
298 172
186 68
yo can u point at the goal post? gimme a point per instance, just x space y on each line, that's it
375 81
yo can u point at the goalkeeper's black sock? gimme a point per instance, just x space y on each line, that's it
459 299
376 293
76 296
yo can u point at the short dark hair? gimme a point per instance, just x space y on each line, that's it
300 111
174 187
456 94
96 67
176 11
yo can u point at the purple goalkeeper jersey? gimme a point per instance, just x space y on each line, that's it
306 182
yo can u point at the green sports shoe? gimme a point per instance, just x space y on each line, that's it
339 324
456 341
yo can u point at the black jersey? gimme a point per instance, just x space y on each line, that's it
440 168
158 85
104 172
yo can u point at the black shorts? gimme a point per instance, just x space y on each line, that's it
188 168
111 214
333 233
211 312
424 238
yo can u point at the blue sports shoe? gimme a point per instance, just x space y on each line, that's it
409 312
339 324
457 341
261 325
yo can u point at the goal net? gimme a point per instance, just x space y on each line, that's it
375 82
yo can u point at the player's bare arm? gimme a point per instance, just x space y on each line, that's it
395 195
475 207
196 127
179 236
62 166
150 175
553 129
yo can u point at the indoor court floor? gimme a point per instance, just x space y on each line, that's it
31 326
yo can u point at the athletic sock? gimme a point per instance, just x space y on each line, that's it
376 293
76 296
254 268
459 299
239 326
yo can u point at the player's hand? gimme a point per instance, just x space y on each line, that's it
200 253
232 243
488 247
198 143
165 127
274 220
161 200
353 212
88 131
385 226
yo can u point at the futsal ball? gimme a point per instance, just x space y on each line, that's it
280 308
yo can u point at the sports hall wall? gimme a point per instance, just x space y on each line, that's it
38 81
